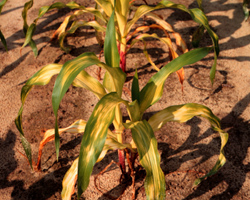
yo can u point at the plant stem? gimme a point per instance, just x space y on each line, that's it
121 157
122 52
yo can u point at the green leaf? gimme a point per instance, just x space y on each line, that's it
94 137
152 92
146 144
3 40
185 112
111 54
135 88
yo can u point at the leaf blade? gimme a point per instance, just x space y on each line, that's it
146 144
94 137
112 57
152 92
183 113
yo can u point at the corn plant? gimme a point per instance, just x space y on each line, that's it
2 3
98 138
127 33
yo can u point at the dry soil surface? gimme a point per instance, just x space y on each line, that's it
187 150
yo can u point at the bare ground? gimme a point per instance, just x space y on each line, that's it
186 149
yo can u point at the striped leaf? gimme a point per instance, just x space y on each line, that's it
146 144
152 92
84 80
94 137
183 113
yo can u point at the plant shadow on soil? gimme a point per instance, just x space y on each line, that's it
235 151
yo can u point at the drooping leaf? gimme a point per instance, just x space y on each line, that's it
77 127
146 144
173 55
94 137
167 27
152 92
197 15
75 25
61 31
42 77
183 113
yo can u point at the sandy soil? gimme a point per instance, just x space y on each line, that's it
183 147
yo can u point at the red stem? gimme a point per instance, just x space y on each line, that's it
123 61
122 160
